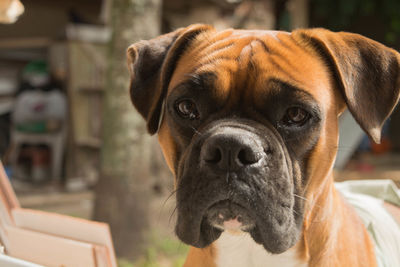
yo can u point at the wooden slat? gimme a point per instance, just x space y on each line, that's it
6 190
8 261
48 250
96 233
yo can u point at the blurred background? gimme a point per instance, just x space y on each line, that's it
71 142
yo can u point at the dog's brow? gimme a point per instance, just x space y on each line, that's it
193 78
200 80
278 90
277 86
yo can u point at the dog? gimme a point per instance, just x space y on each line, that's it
248 124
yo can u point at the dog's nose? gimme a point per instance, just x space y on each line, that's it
231 149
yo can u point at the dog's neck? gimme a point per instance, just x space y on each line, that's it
238 250
330 225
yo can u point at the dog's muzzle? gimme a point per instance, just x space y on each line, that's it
236 177
227 151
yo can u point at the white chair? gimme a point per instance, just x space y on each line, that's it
52 107
55 141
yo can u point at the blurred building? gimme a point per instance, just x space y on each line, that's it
52 63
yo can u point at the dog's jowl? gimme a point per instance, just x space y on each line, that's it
248 123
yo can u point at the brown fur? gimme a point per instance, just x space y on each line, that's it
326 241
333 235
201 257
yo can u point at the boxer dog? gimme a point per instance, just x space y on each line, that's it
248 124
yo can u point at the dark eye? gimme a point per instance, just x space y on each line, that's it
187 109
296 116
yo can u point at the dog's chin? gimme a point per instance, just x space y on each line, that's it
229 216
232 218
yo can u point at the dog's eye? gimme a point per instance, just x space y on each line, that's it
187 109
296 116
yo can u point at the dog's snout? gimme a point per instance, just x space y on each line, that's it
231 149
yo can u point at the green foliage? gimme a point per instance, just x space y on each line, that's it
124 263
340 13
162 252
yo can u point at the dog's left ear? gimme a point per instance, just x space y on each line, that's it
151 64
367 72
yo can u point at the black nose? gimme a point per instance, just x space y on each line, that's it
230 149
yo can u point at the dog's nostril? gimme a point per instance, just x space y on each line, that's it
213 155
247 156
230 150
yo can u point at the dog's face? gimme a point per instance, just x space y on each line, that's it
243 128
248 121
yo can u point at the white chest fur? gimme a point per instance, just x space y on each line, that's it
240 250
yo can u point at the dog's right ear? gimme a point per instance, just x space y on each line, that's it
151 64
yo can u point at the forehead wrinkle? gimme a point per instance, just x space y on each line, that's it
283 67
242 60
276 59
230 63
218 47
190 57
225 73
209 38
214 53
242 80
288 61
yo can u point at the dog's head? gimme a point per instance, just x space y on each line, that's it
248 120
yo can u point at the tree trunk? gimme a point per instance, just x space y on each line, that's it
125 184
299 14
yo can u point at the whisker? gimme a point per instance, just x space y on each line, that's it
169 196
303 198
165 202
196 131
172 214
